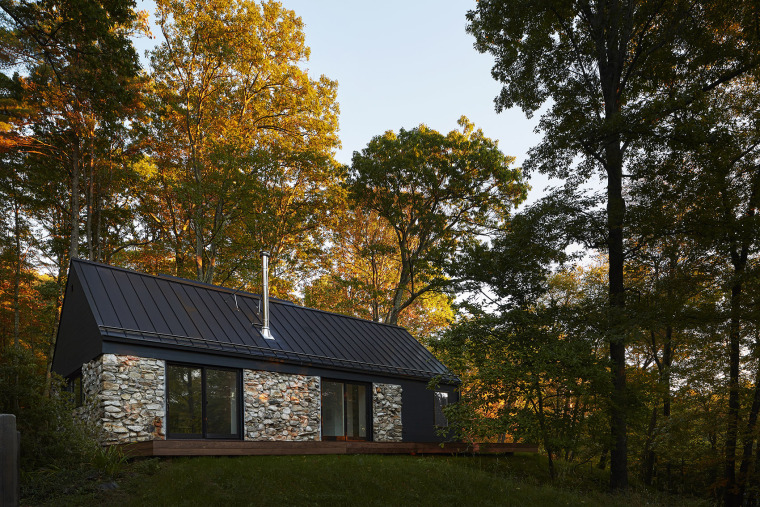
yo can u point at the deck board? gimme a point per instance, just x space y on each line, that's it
242 448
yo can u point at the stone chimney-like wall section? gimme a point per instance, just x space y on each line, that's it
279 406
125 395
386 412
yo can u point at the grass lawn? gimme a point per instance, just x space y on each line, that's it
352 480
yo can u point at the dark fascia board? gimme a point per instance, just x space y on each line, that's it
194 356
389 371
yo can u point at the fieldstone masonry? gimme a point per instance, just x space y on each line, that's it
125 396
280 406
386 412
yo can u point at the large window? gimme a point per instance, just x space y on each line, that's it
345 411
202 402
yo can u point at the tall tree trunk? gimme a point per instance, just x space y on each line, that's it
731 494
199 268
749 433
616 323
649 455
611 44
90 201
17 267
404 278
667 362
544 433
74 248
98 225
60 282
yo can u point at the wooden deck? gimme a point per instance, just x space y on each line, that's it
241 448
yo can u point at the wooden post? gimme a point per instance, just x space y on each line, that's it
9 458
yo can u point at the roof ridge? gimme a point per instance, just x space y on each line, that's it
178 279
354 317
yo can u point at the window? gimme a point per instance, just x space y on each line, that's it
345 411
440 400
202 402
74 386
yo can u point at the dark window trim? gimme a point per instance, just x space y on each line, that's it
370 396
77 395
204 434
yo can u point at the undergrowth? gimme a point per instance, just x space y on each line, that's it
357 480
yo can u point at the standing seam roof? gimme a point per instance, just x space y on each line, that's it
137 307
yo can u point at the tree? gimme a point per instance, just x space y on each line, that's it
438 194
361 269
64 45
241 138
531 359
80 70
612 71
711 164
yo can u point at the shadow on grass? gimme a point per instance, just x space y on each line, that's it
356 480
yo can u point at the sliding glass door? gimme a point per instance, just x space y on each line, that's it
345 411
202 402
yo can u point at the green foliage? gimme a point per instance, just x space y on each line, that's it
50 435
109 461
241 138
437 194
619 77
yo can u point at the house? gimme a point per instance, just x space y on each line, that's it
159 357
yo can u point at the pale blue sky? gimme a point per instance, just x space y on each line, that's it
403 63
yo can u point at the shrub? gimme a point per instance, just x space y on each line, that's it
50 436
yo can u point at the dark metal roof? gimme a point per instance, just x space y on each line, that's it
167 311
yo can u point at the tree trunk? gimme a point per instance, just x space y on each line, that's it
61 278
544 433
749 433
731 494
90 210
603 459
649 455
17 267
667 362
74 248
404 278
616 323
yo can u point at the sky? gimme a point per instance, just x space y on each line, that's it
400 64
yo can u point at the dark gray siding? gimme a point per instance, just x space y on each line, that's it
79 339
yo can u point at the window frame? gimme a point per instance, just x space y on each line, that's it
204 435
75 386
368 408
438 407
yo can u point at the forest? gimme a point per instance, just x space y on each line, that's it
617 326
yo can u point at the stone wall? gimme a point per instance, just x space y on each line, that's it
125 395
278 406
386 412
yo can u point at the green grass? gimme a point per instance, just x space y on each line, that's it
357 480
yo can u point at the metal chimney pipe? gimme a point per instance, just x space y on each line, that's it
265 294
